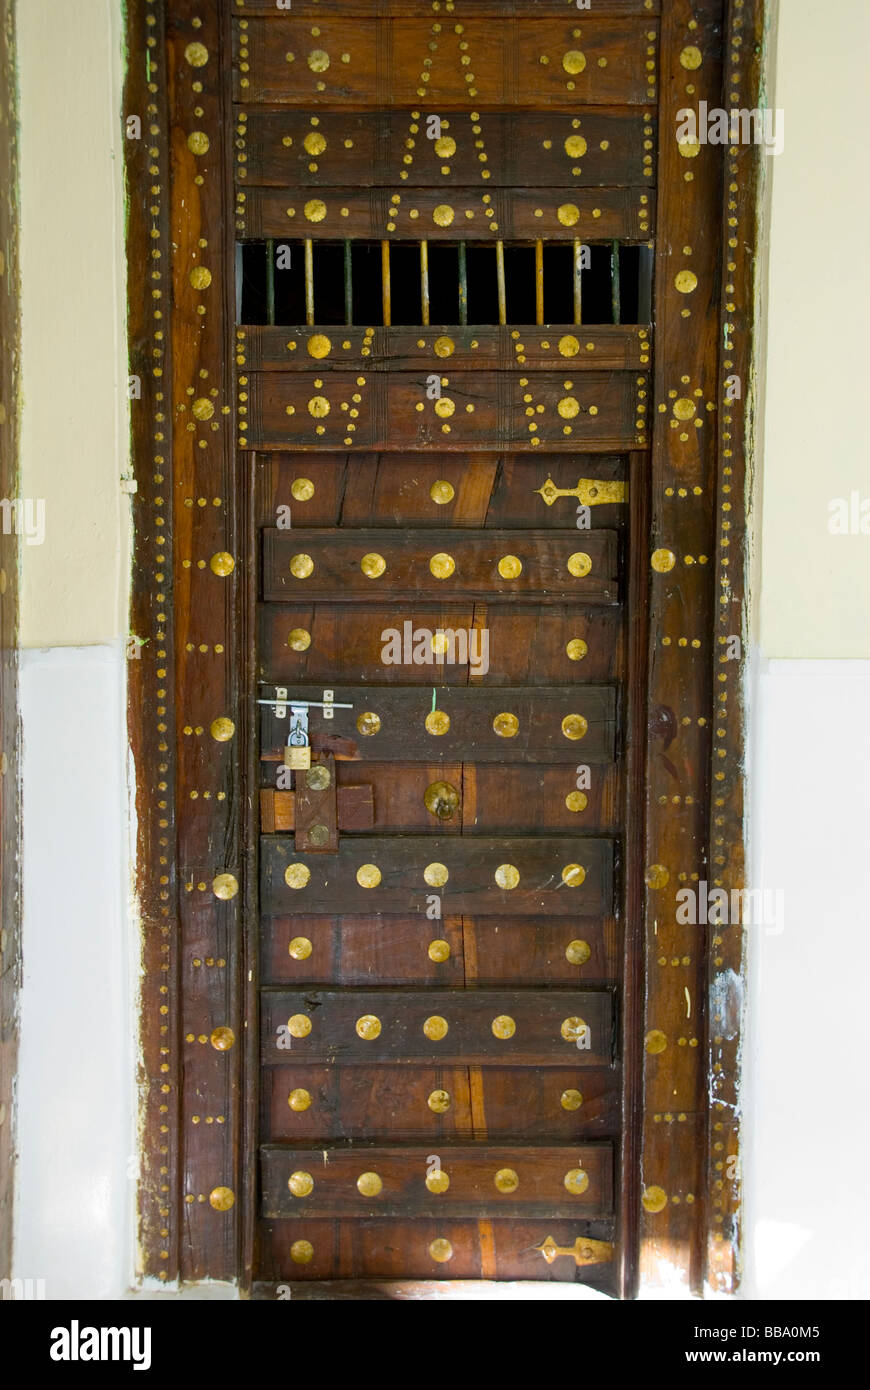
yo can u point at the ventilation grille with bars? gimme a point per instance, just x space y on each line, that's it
414 283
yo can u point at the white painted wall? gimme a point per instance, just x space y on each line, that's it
806 1222
808 1130
76 1073
76 1066
807 1123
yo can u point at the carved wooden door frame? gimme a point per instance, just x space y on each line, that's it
190 726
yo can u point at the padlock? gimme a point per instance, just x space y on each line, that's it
297 750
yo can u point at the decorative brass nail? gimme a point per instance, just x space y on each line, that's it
300 1184
578 952
441 800
507 876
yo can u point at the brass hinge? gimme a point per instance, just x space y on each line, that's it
592 492
585 1252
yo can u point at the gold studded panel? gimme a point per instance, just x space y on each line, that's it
558 1182
393 61
369 148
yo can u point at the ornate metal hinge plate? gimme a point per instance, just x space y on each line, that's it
592 492
585 1252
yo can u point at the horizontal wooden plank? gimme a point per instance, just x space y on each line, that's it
542 1181
542 725
450 215
483 347
306 641
313 1104
306 1254
347 565
474 411
365 9
355 809
357 951
493 799
396 867
435 490
539 62
438 1027
571 149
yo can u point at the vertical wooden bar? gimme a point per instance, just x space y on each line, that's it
578 280
644 291
539 282
499 270
270 282
386 297
157 846
309 281
745 38
671 1209
615 288
424 279
348 284
463 284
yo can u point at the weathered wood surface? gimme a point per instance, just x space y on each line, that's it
384 1104
355 951
451 1027
472 864
307 641
566 348
381 1248
344 565
504 726
593 214
282 149
378 62
472 413
534 1181
422 9
407 490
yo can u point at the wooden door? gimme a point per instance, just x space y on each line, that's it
448 332
443 455
442 944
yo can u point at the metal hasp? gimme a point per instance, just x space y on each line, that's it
592 492
585 1252
297 750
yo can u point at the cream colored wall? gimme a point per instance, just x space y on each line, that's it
74 443
75 1103
815 587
